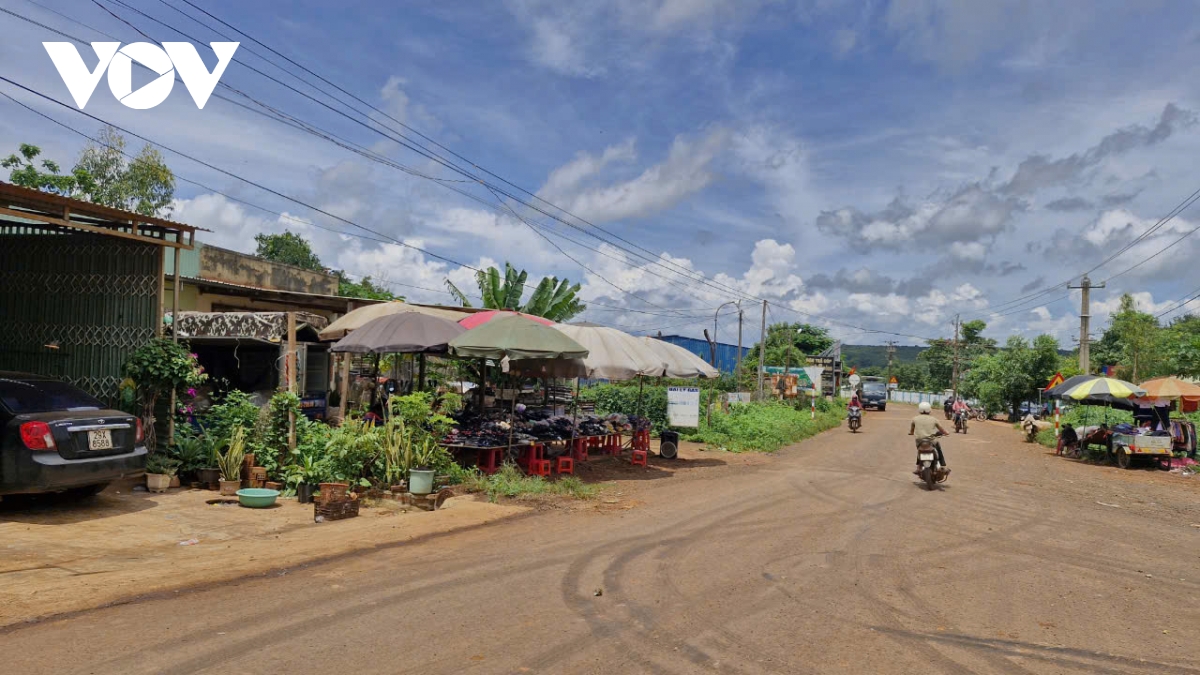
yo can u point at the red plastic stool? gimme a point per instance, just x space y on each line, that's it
580 451
638 458
564 464
539 467
612 443
489 459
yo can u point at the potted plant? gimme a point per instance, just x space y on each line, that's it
420 476
160 469
192 454
230 462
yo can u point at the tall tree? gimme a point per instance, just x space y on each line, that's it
805 339
939 357
553 298
288 248
1133 342
145 184
1013 374
25 172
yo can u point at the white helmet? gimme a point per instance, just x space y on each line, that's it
923 407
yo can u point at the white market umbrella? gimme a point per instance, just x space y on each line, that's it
612 354
679 361
356 319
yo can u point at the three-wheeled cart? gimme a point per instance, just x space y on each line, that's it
1128 447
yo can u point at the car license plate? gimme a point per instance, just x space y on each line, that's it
100 440
926 456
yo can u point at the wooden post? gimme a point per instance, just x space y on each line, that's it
291 375
162 291
174 338
421 373
345 385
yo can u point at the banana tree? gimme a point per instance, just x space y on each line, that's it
552 298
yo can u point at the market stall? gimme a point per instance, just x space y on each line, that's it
521 347
401 333
1124 441
1164 394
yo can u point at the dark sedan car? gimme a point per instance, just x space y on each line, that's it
55 437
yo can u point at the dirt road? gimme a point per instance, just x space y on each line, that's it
825 558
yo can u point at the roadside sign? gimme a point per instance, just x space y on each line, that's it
683 406
855 379
1054 382
893 380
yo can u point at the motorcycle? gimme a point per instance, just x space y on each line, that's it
948 410
929 468
960 423
980 414
854 419
1031 432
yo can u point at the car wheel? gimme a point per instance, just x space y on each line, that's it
882 408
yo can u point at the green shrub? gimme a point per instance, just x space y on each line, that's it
763 427
510 482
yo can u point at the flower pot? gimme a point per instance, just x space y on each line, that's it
273 485
157 482
333 491
229 488
304 493
175 481
420 481
209 478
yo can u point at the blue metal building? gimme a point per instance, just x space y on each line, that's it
726 353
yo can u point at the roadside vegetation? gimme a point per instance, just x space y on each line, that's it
511 483
765 427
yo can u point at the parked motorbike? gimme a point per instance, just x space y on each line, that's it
1031 432
980 414
960 423
930 469
854 419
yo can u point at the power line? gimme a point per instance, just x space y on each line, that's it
329 136
309 128
403 140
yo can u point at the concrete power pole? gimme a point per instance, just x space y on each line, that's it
891 352
762 351
738 366
954 377
1085 316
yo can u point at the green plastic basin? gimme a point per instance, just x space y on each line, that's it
257 498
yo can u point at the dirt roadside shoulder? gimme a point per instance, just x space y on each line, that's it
69 558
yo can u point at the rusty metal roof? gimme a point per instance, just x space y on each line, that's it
56 211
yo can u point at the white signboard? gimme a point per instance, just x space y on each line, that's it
683 406
814 375
738 397
855 379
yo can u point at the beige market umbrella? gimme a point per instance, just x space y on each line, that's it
680 362
357 318
612 354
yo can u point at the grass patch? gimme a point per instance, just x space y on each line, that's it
510 482
763 427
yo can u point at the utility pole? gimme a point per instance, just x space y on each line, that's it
1085 316
891 352
762 351
954 377
787 363
738 366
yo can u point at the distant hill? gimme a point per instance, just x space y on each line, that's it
867 356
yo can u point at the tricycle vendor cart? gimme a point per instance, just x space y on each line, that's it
1128 447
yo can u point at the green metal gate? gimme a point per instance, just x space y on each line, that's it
75 306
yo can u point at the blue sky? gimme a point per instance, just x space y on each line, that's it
880 164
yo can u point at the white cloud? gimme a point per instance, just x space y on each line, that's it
968 250
686 170
566 179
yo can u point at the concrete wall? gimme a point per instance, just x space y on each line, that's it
219 264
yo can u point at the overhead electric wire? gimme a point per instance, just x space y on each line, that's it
427 154
678 269
404 141
368 154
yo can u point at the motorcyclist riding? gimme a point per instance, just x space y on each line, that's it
854 411
960 410
924 426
